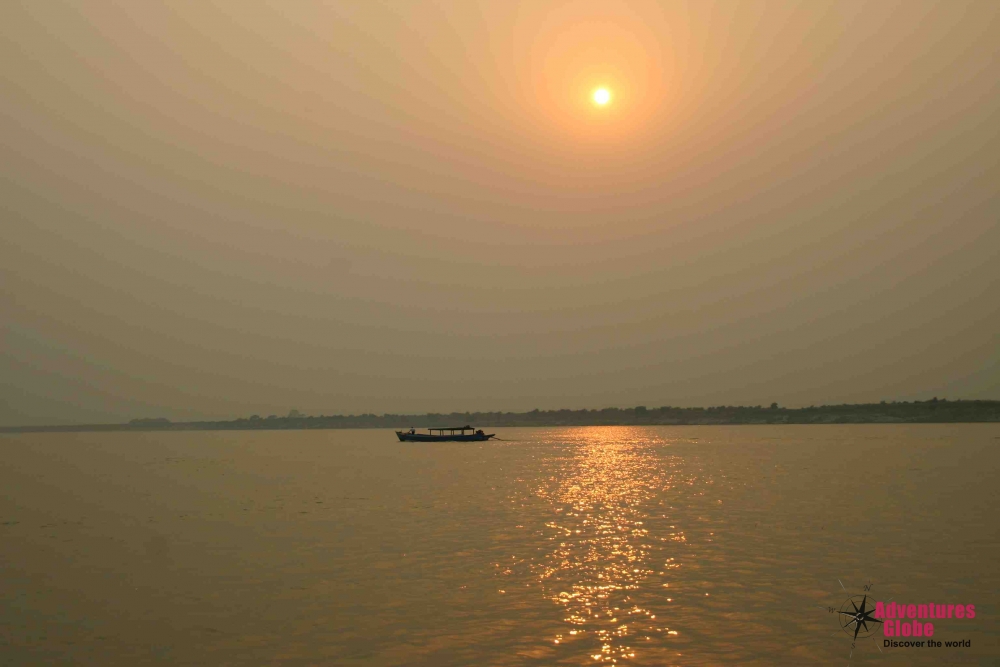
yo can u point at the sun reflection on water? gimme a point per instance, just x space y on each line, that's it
604 556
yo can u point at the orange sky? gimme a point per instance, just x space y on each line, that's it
220 208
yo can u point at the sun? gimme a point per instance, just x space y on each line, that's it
601 96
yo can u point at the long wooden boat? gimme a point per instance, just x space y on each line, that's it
445 434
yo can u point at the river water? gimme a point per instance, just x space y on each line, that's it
556 546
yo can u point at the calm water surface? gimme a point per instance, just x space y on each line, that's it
559 546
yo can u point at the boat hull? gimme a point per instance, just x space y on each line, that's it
423 437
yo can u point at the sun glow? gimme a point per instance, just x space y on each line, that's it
597 78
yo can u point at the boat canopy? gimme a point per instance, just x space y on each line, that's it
453 428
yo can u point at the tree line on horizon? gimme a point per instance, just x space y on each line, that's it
932 410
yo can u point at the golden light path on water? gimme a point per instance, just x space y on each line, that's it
605 559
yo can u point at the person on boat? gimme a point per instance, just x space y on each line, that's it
480 432
412 430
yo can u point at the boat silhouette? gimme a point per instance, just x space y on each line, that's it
445 434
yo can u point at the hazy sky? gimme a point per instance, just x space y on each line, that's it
213 209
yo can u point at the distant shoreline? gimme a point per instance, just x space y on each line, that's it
917 412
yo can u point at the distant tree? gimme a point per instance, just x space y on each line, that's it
640 409
774 406
254 418
294 414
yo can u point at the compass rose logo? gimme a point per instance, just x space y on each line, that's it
857 617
